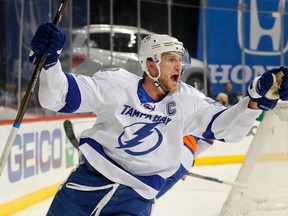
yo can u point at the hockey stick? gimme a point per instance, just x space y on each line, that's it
216 180
68 127
28 94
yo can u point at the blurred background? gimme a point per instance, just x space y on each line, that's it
230 42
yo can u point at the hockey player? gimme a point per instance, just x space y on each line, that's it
136 141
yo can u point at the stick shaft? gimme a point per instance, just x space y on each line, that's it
27 96
208 178
8 147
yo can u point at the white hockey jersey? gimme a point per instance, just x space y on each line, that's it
135 142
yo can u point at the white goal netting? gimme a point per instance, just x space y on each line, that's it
264 171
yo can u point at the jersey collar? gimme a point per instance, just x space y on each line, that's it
143 96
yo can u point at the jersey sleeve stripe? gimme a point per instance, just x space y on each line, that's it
73 97
209 134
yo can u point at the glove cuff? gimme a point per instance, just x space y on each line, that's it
252 89
266 104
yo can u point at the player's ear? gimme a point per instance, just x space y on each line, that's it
151 66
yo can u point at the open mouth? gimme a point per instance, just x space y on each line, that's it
175 78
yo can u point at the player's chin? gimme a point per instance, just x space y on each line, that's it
173 87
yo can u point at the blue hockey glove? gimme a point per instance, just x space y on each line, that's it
283 91
265 90
48 40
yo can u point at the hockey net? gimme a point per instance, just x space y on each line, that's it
264 171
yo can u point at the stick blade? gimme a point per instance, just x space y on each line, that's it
68 127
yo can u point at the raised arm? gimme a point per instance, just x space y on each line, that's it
59 91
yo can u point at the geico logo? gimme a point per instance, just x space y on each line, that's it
34 153
226 73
